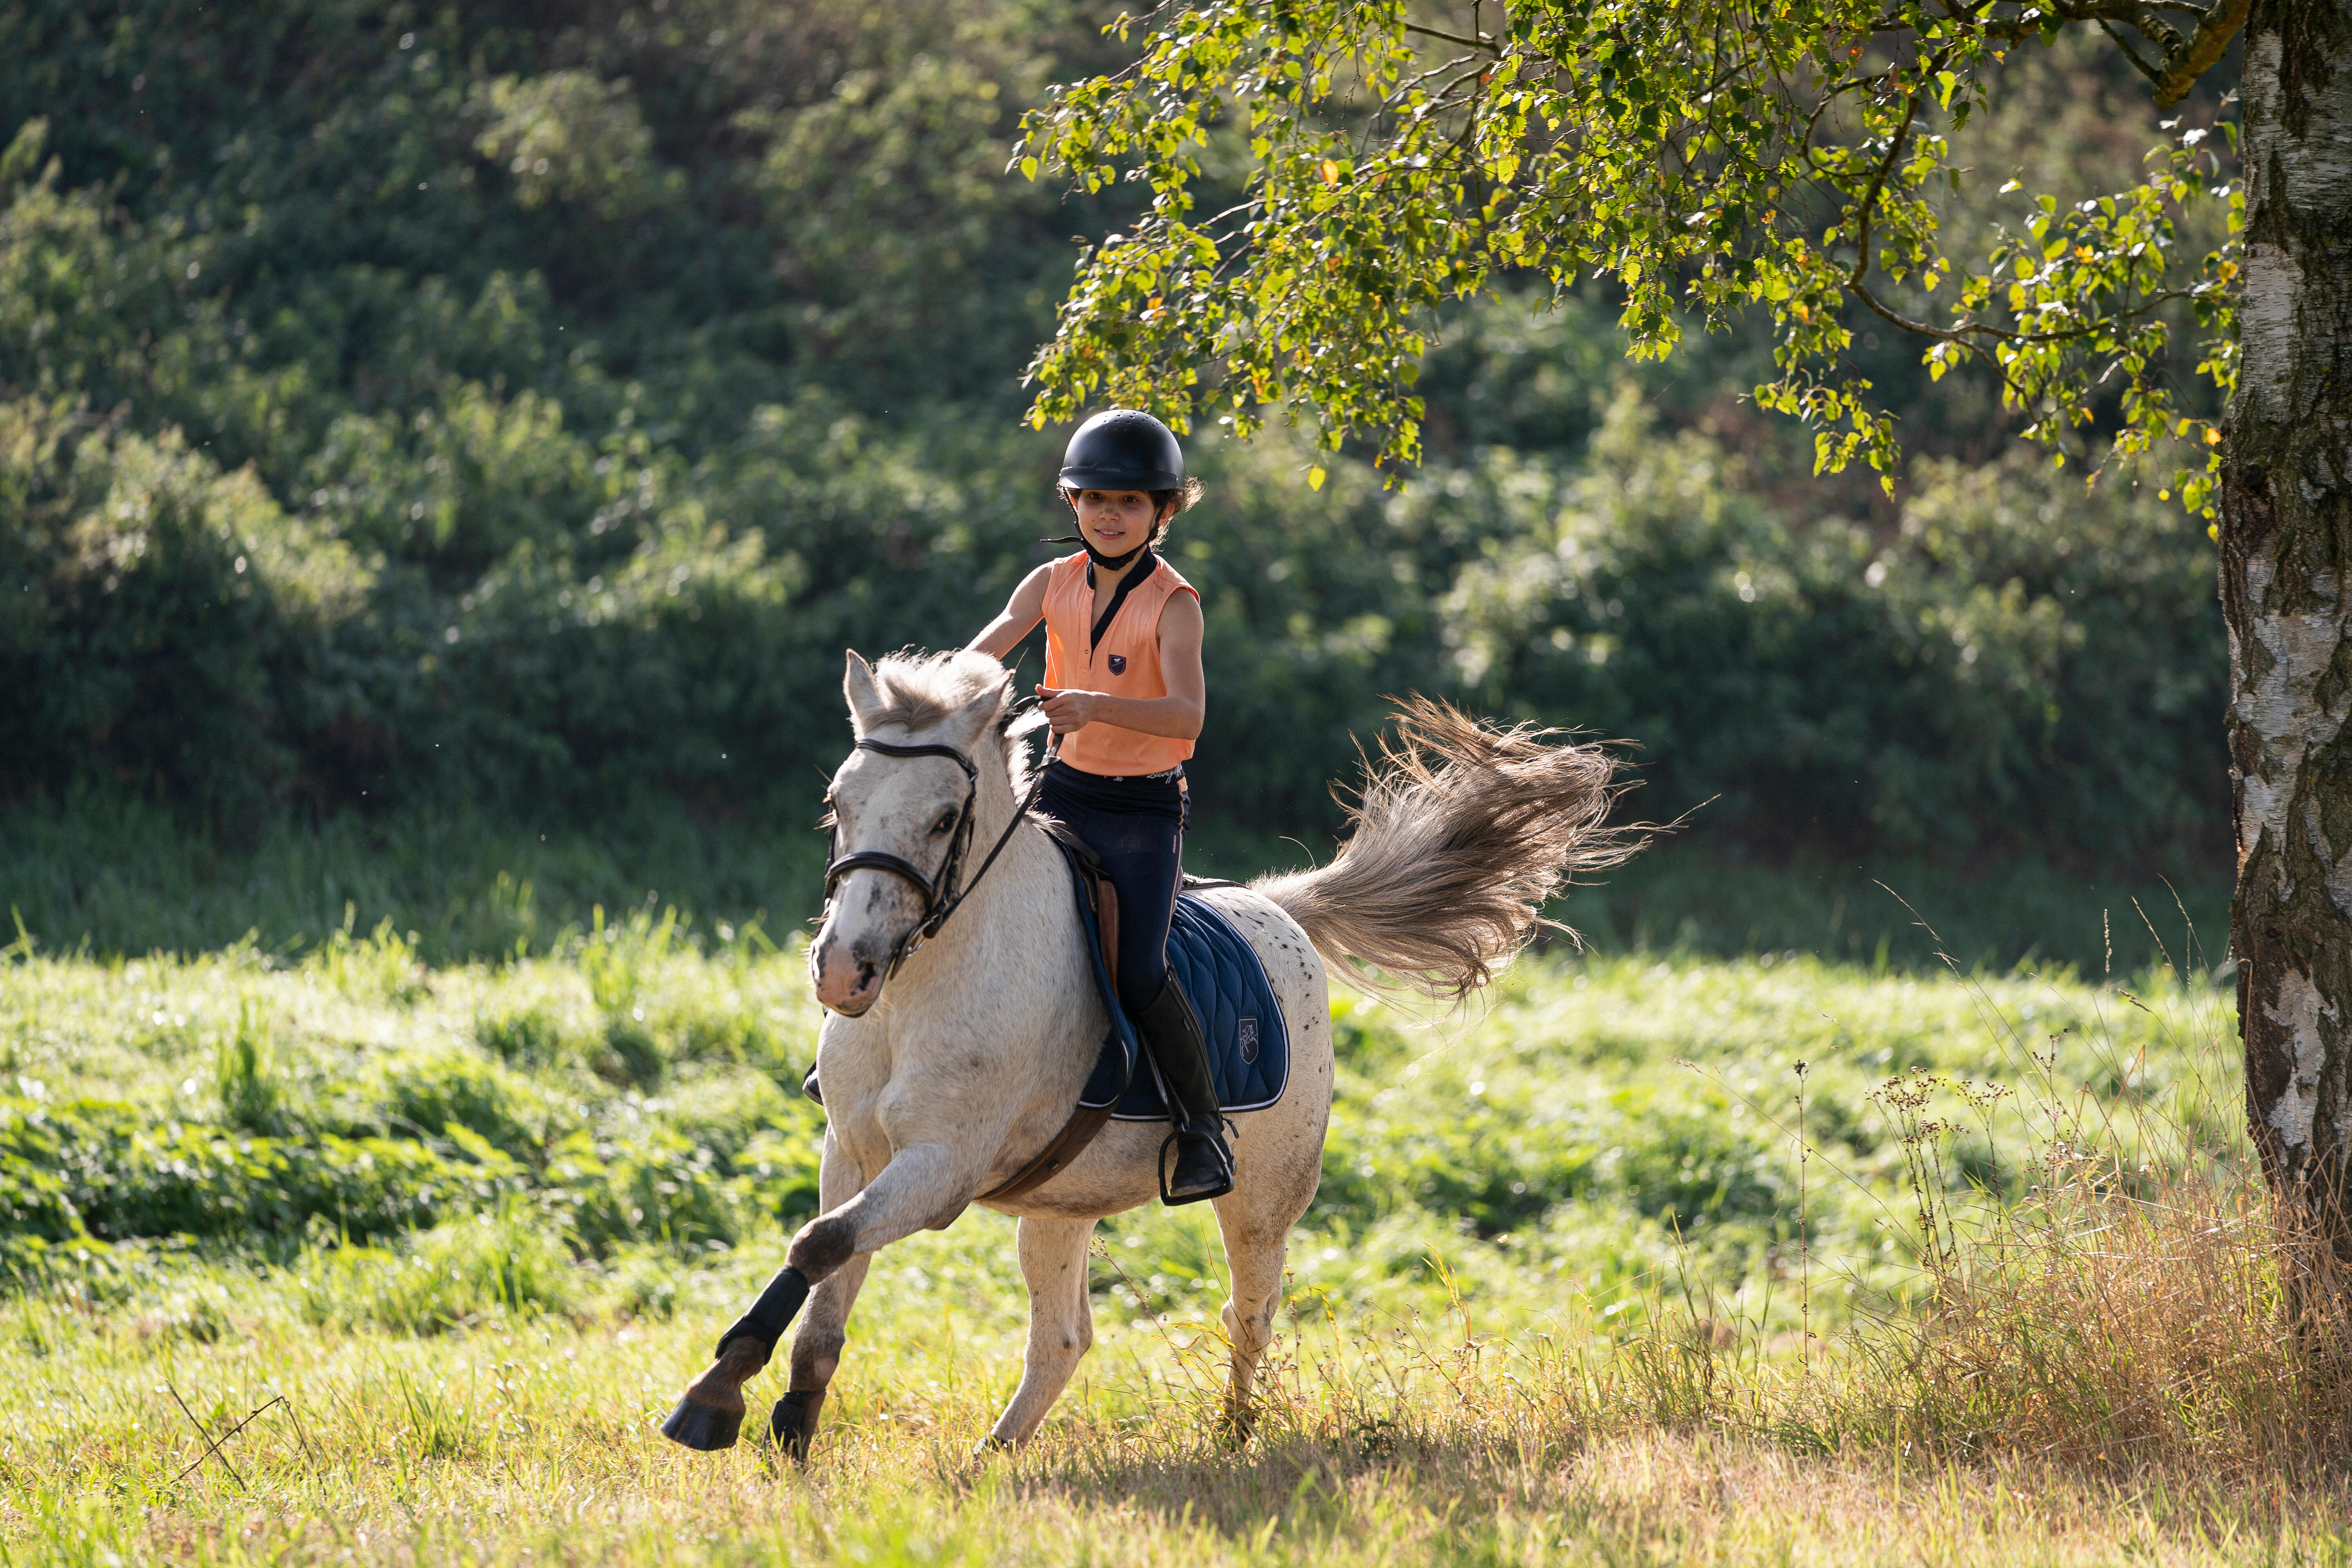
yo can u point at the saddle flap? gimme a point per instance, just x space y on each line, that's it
1099 917
1098 896
1219 972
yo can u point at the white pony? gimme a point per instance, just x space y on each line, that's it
949 1082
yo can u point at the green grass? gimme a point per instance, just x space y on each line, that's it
103 874
107 875
1600 1121
476 1223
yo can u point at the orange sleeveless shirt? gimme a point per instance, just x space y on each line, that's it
1126 663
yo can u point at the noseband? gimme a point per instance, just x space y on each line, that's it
940 896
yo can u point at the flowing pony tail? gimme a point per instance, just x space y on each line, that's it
1461 833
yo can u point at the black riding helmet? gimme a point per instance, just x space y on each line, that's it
1126 450
1123 449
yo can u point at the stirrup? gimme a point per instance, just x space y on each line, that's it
1224 1161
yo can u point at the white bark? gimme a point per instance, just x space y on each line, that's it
2286 543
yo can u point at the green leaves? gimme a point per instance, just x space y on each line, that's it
2082 303
569 136
1705 158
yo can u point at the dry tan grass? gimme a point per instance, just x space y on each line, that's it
2104 1405
2132 1335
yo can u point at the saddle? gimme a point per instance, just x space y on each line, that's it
1220 972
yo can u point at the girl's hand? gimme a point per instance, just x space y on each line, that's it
1070 711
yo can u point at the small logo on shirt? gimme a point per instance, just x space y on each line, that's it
1118 664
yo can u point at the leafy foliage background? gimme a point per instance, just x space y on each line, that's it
520 410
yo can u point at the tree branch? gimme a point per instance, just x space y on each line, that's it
2153 73
1967 333
2140 14
1405 88
1902 134
1486 44
2184 60
2205 47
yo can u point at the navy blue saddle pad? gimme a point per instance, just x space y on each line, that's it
1249 1044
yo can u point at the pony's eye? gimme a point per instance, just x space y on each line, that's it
945 824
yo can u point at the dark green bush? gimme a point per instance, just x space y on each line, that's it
1501 1162
516 412
701 1167
36 1198
2016 659
646 1183
524 1037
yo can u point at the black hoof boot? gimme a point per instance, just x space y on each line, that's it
702 1428
793 1423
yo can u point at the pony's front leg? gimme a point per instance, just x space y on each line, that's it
1061 1322
710 1412
817 1344
927 1184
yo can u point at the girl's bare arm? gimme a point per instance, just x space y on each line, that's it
1021 613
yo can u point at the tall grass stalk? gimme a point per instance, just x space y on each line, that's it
2133 1301
1804 1237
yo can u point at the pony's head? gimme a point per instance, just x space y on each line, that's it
906 816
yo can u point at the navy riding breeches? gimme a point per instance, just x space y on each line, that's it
1136 826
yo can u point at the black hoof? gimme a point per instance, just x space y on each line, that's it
792 1425
701 1428
991 1444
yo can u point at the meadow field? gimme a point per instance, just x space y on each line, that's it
444 456
426 1251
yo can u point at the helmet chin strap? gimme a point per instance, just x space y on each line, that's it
1107 562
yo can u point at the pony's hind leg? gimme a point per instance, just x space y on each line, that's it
1061 1322
1255 1244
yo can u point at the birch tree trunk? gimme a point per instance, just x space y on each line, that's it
2286 593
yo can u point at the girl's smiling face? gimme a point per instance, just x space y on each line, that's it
1114 521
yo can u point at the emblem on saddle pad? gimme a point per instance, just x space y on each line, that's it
1247 1035
1118 664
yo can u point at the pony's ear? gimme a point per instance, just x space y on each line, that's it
983 711
857 684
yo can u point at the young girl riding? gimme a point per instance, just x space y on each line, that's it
1124 692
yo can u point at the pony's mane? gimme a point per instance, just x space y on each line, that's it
921 691
924 690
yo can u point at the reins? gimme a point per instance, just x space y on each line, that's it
942 898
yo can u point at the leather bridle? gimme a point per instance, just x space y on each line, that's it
942 898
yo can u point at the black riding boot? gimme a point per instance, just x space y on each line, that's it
1203 1165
